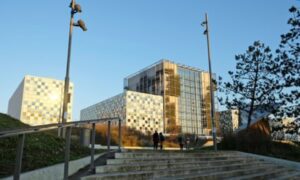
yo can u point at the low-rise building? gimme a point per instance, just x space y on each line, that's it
141 111
39 100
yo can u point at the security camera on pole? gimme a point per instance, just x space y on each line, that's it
75 8
206 32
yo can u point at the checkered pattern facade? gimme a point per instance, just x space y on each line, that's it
144 111
41 101
112 107
141 111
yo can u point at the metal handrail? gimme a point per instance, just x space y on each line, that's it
46 127
67 126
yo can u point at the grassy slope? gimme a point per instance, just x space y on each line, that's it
8 123
41 149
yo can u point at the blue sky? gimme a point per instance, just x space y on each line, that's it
125 36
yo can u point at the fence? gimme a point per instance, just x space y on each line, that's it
67 127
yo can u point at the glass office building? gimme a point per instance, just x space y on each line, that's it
185 92
39 100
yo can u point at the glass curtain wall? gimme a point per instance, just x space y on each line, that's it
190 101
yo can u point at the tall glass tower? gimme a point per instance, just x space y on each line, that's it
185 91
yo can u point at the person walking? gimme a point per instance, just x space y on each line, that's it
161 140
155 140
187 143
180 141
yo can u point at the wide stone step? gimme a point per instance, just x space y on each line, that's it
178 151
138 175
291 175
221 173
171 160
209 170
190 165
179 172
154 165
172 155
279 173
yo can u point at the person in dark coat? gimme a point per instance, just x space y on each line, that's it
155 140
180 141
161 140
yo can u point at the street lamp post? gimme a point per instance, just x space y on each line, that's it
206 32
75 8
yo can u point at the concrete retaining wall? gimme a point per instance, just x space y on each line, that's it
55 172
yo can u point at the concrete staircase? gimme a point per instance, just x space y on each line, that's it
169 165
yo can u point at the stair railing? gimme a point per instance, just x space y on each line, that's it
20 133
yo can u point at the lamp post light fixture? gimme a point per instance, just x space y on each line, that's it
75 8
212 111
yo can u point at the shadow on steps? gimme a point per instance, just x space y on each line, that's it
86 170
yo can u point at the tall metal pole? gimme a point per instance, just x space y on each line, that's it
67 152
67 79
92 165
211 86
19 156
108 135
120 135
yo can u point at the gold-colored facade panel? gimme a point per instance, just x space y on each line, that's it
171 94
41 101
